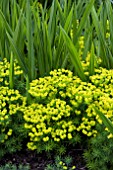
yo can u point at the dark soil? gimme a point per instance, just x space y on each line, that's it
40 161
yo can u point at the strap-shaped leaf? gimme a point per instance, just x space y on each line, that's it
92 59
18 54
83 19
105 120
31 58
73 55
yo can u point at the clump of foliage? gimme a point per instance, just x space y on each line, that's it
5 75
9 166
61 164
5 71
62 110
48 116
103 80
12 130
99 153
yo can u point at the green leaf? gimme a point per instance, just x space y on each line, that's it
59 49
105 51
6 25
84 17
18 54
31 58
11 72
92 59
52 22
73 55
105 120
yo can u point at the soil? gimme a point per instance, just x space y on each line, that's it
40 161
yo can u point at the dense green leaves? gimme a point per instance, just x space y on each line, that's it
33 34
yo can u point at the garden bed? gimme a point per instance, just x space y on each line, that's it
40 161
56 83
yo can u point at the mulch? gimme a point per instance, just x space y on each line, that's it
40 161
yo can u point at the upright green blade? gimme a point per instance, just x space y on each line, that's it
11 72
92 59
105 52
105 120
31 58
6 25
73 55
19 57
84 17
